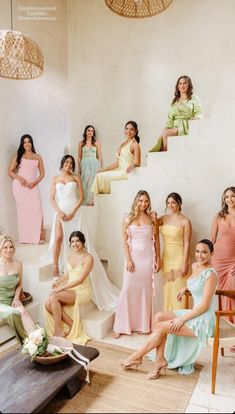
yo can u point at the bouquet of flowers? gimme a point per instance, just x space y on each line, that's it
36 343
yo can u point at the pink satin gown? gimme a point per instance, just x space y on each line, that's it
28 203
223 261
135 308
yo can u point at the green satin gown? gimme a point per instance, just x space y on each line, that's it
8 313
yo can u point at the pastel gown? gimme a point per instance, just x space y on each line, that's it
28 203
179 115
135 309
8 285
102 181
89 166
223 261
83 295
172 260
104 292
181 352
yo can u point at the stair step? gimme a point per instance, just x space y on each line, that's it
97 324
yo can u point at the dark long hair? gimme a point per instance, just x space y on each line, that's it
65 157
135 126
224 208
79 235
93 139
189 91
176 197
21 149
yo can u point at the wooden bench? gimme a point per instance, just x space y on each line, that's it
27 387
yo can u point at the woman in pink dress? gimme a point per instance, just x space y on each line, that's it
27 170
223 236
135 307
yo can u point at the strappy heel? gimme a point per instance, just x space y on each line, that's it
131 365
155 374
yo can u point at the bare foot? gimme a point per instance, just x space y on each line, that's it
116 335
61 334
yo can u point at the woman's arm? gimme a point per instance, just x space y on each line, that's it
41 173
16 299
137 157
80 200
99 154
79 156
110 167
87 268
187 240
208 293
130 266
215 228
160 221
12 172
157 242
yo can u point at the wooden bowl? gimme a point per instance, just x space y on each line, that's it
50 359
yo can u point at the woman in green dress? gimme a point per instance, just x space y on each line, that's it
11 309
184 107
89 161
179 335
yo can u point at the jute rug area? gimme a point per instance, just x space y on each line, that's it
115 390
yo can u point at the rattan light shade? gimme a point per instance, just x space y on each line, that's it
138 8
20 57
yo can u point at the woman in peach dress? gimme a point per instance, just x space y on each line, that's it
135 307
223 236
27 170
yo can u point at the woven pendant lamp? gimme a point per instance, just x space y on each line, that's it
20 56
138 8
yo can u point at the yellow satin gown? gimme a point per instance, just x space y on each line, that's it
83 295
172 260
101 183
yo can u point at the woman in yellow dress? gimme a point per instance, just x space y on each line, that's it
176 230
61 311
184 107
128 157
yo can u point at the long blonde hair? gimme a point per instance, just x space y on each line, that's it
224 208
134 209
4 239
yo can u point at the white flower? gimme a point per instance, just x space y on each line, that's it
32 348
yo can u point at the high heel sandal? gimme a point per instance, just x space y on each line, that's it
155 374
132 365
56 277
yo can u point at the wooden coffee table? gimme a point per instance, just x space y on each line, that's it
27 387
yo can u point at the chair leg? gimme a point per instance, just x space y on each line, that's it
222 351
214 363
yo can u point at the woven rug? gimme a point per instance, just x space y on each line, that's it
115 390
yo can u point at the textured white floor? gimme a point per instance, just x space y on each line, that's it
202 401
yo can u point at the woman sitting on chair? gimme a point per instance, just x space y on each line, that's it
179 335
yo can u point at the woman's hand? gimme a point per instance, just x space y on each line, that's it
130 267
130 169
184 269
22 181
16 303
157 265
31 185
181 293
56 290
62 215
69 217
176 324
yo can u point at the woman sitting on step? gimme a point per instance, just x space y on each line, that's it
184 107
128 157
61 311
12 310
179 335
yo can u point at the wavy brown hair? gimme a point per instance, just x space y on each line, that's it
176 197
93 139
189 91
134 209
224 208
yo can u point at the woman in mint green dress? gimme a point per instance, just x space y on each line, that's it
89 161
179 336
184 107
11 309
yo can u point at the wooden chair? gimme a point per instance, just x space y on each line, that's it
224 335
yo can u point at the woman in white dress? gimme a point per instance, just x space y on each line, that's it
66 198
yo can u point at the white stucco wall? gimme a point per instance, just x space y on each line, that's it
38 107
